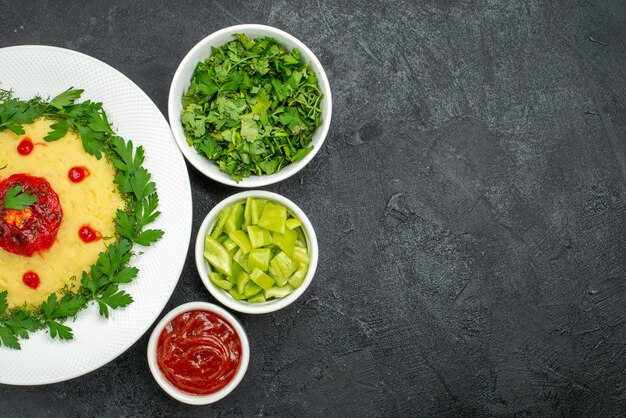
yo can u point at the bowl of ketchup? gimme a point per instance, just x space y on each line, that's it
198 353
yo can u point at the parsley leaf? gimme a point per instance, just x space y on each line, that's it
131 228
114 298
126 275
59 130
125 225
87 118
67 306
13 113
110 268
123 182
8 338
149 236
56 328
127 162
146 212
3 301
66 98
90 141
22 324
100 123
132 177
140 184
89 283
117 255
15 198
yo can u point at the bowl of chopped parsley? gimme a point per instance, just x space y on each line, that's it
250 105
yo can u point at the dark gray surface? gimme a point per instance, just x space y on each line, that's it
469 204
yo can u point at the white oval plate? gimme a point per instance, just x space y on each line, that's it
47 71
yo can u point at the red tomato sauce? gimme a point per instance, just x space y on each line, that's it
77 174
199 352
88 234
31 279
34 228
25 147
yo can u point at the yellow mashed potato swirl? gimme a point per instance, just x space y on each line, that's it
92 202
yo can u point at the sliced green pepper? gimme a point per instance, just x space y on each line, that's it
281 268
247 213
242 279
278 292
258 298
301 255
286 241
259 236
274 217
219 281
242 258
259 258
252 289
230 245
256 210
297 278
262 279
221 220
236 294
241 239
293 223
217 255
235 218
237 269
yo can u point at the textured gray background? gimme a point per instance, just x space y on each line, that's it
469 203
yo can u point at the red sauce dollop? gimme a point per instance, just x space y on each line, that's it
25 147
77 174
31 279
88 234
34 228
199 352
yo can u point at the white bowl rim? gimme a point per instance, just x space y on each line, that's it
171 389
243 306
190 153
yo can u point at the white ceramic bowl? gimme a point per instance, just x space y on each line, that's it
177 393
181 82
204 268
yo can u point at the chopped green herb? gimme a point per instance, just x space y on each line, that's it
252 107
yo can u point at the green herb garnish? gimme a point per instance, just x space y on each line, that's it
101 283
87 118
252 107
15 198
14 113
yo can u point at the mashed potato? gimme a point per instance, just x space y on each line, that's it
92 202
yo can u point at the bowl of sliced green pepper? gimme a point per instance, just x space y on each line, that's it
256 252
